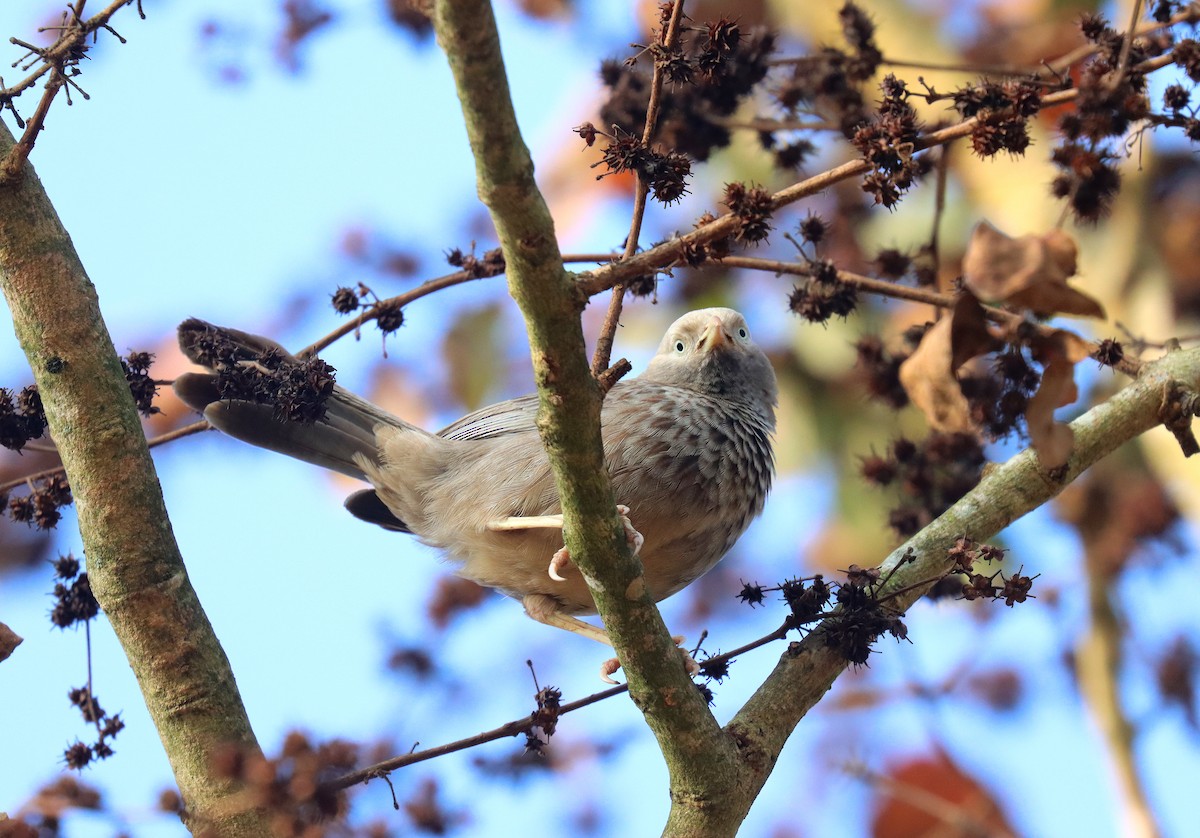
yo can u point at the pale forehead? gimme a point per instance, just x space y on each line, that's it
695 320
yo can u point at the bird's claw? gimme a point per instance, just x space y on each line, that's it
607 669
632 536
562 559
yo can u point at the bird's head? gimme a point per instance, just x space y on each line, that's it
710 351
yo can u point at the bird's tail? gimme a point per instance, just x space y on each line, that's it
257 392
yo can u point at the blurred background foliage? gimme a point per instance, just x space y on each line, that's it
981 726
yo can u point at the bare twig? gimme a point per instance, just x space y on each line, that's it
762 123
670 253
1129 366
504 731
69 48
170 436
965 67
14 162
612 318
939 209
423 290
523 725
1050 69
1126 45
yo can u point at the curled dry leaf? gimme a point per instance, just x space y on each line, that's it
970 335
1060 343
1026 272
928 378
1052 440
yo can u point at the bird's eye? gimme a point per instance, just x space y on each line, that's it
742 333
679 347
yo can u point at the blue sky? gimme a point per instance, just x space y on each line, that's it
189 197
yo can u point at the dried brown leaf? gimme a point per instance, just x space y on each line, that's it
1176 676
969 332
1052 440
928 378
1069 345
1026 272
452 596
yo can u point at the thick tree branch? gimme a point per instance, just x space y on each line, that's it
569 417
133 562
808 669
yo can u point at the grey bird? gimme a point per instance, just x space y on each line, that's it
687 444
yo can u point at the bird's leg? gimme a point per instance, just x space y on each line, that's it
562 558
545 609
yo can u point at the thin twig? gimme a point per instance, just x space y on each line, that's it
1050 69
612 318
939 209
1129 366
1126 45
863 283
161 439
15 161
762 123
91 692
423 290
670 252
522 725
399 301
504 731
964 67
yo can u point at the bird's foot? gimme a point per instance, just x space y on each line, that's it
632 536
561 560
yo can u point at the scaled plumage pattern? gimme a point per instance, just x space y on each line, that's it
687 444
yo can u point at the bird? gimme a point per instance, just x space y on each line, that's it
688 444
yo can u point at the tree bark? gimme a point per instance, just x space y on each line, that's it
133 563
699 755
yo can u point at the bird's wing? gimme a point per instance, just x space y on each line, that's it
510 417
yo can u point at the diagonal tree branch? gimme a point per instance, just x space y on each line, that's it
569 416
133 562
808 669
